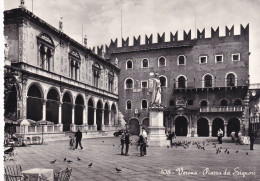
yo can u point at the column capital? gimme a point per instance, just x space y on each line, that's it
60 103
43 101
73 106
225 124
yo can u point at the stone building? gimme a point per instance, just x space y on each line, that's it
204 81
57 79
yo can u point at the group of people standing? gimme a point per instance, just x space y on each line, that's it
142 142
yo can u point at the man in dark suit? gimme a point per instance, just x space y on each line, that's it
127 142
78 136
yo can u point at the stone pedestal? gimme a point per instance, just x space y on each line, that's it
156 135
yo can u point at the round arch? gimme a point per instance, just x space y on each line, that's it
203 127
180 83
178 60
216 124
230 81
163 80
129 64
233 125
142 63
161 61
207 82
35 102
181 125
134 126
52 105
67 102
90 111
99 115
204 103
129 85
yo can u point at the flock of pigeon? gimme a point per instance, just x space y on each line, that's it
200 145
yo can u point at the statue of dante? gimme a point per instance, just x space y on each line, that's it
156 91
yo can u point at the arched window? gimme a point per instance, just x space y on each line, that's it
181 82
145 63
75 60
231 80
161 62
208 81
181 60
129 64
238 102
223 103
129 83
163 81
96 73
128 104
203 103
144 104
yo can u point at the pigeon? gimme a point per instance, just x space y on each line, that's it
227 152
118 170
53 161
103 141
64 159
78 159
69 161
113 145
90 164
237 151
246 153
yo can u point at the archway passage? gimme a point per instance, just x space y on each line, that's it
134 127
113 115
146 124
99 116
233 125
106 115
217 123
79 103
11 102
181 126
66 111
203 127
52 106
34 103
90 112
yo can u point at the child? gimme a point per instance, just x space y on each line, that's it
72 141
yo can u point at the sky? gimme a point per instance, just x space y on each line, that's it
101 20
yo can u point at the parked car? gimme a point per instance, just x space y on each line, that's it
119 132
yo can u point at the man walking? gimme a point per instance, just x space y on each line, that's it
78 136
122 140
144 134
127 142
252 139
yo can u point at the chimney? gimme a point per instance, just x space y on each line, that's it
60 24
85 41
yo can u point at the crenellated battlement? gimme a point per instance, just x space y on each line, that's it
173 42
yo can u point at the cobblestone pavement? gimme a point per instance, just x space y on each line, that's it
161 163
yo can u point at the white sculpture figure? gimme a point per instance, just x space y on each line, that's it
155 85
6 48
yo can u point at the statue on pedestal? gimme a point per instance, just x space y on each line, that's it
155 88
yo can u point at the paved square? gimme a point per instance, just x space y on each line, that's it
161 163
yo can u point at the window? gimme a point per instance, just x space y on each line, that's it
74 64
96 74
190 102
238 102
171 102
181 82
236 57
163 81
144 104
223 103
230 80
162 62
129 64
145 63
128 104
208 81
218 58
181 60
110 81
203 103
144 84
203 59
129 83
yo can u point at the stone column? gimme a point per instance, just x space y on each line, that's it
195 131
109 118
189 130
225 128
84 123
103 127
95 119
60 117
72 126
210 129
43 109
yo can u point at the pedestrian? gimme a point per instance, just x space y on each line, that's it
233 136
144 134
122 140
72 141
127 142
220 135
78 136
170 136
141 143
252 139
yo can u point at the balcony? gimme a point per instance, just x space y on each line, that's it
209 84
221 109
